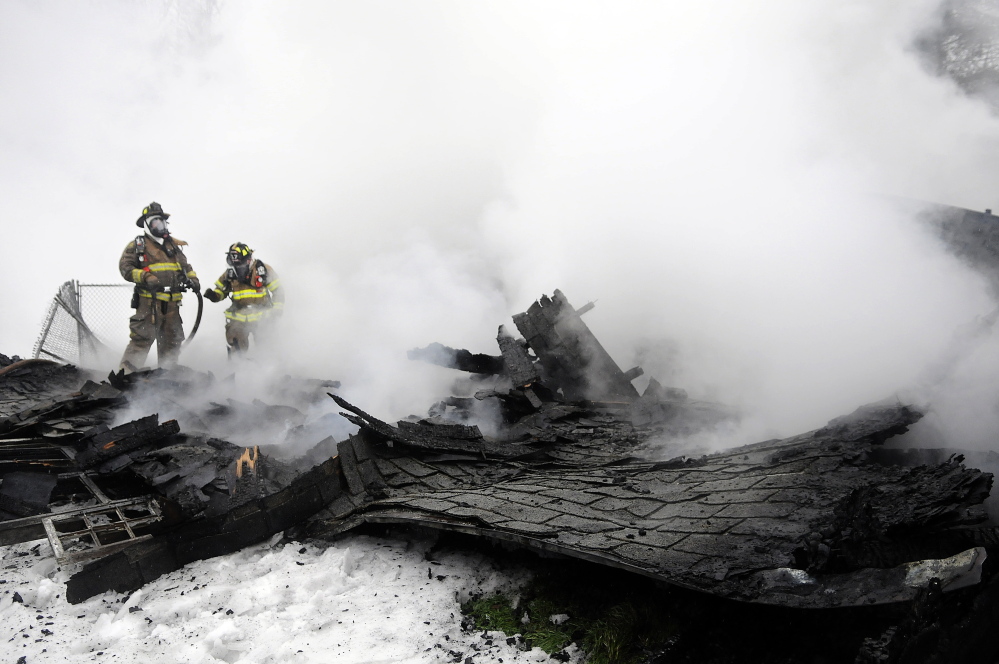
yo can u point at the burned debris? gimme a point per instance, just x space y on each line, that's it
559 364
95 489
572 356
820 520
567 357
477 363
805 522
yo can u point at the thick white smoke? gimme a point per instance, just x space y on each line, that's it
420 172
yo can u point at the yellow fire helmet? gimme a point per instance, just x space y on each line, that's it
238 253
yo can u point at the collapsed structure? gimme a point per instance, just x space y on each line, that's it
824 519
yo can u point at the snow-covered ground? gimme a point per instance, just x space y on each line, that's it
361 599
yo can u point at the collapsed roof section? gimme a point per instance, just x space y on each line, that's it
806 522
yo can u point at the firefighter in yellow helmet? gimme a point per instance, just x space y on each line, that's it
256 294
156 264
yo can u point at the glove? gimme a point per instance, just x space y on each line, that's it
212 295
195 284
151 281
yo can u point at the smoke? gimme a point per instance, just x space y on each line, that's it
958 391
256 404
419 173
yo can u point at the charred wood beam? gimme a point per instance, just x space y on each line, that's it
633 373
124 439
22 366
434 438
517 362
572 357
460 359
514 404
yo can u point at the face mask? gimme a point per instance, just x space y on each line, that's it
239 263
157 227
242 270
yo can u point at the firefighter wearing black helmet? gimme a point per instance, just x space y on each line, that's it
256 294
156 264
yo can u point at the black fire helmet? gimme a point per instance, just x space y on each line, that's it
154 209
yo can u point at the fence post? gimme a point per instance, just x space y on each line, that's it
79 321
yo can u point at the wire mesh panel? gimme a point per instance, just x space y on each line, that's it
86 324
106 309
58 340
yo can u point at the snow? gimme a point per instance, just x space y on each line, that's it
360 599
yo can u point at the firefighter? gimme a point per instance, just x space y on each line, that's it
156 264
257 298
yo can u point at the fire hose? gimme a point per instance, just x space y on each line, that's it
197 319
185 285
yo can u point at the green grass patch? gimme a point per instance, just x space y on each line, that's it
495 614
612 625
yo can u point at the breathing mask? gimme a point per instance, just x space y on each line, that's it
239 258
158 227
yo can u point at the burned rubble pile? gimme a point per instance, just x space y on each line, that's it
820 520
143 486
568 366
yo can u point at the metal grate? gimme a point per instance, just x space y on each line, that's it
93 532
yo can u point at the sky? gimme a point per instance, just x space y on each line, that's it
709 173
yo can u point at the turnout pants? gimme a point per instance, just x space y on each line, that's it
237 334
164 326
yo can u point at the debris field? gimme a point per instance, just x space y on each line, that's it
824 519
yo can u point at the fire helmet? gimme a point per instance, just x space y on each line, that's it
238 254
154 209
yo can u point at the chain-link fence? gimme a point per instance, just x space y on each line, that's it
86 324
